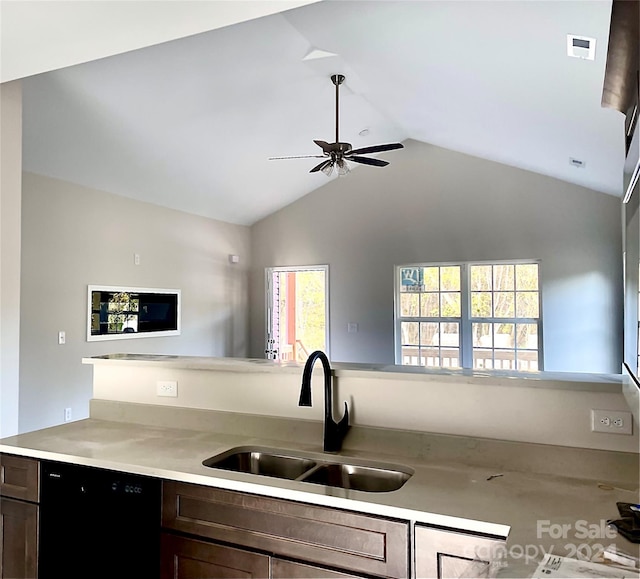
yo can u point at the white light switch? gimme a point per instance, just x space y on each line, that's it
62 338
352 327
136 259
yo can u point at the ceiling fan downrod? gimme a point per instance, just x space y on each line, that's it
337 79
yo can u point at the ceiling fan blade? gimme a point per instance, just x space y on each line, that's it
321 166
376 149
326 147
298 157
368 161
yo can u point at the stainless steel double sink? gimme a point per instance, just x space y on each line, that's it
348 474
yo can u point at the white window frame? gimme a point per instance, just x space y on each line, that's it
268 275
137 290
466 320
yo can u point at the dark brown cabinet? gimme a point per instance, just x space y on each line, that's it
281 569
342 540
19 493
210 532
192 559
18 538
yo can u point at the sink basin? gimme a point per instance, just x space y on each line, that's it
260 461
291 465
358 478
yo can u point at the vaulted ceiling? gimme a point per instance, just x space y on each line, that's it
191 123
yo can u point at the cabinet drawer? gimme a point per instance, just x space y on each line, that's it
281 569
322 535
19 477
191 559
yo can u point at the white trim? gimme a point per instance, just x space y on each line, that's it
110 288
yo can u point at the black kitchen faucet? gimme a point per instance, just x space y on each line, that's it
334 432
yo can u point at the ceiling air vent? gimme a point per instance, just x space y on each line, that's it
581 47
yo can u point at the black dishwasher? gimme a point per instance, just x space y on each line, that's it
97 523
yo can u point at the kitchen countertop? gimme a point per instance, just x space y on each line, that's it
561 380
443 493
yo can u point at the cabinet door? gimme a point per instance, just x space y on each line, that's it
183 558
325 536
451 555
281 569
18 539
19 477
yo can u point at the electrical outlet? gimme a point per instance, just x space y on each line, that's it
611 421
67 414
167 388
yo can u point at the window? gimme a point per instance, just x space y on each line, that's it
469 315
118 312
297 312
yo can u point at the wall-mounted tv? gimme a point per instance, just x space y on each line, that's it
115 312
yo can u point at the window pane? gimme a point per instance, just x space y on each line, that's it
449 357
430 277
482 335
504 304
409 331
503 336
411 279
450 278
409 305
480 277
429 305
429 334
450 307
449 334
527 276
503 277
411 356
430 357
527 305
527 360
482 358
504 359
481 304
527 336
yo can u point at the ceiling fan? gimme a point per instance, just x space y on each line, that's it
337 154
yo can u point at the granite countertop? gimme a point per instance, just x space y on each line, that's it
522 505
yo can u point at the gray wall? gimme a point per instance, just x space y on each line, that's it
10 185
73 237
435 205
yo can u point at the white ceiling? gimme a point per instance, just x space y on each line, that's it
41 35
190 123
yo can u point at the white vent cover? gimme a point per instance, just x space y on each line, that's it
581 47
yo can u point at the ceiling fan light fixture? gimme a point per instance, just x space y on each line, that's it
327 169
343 167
